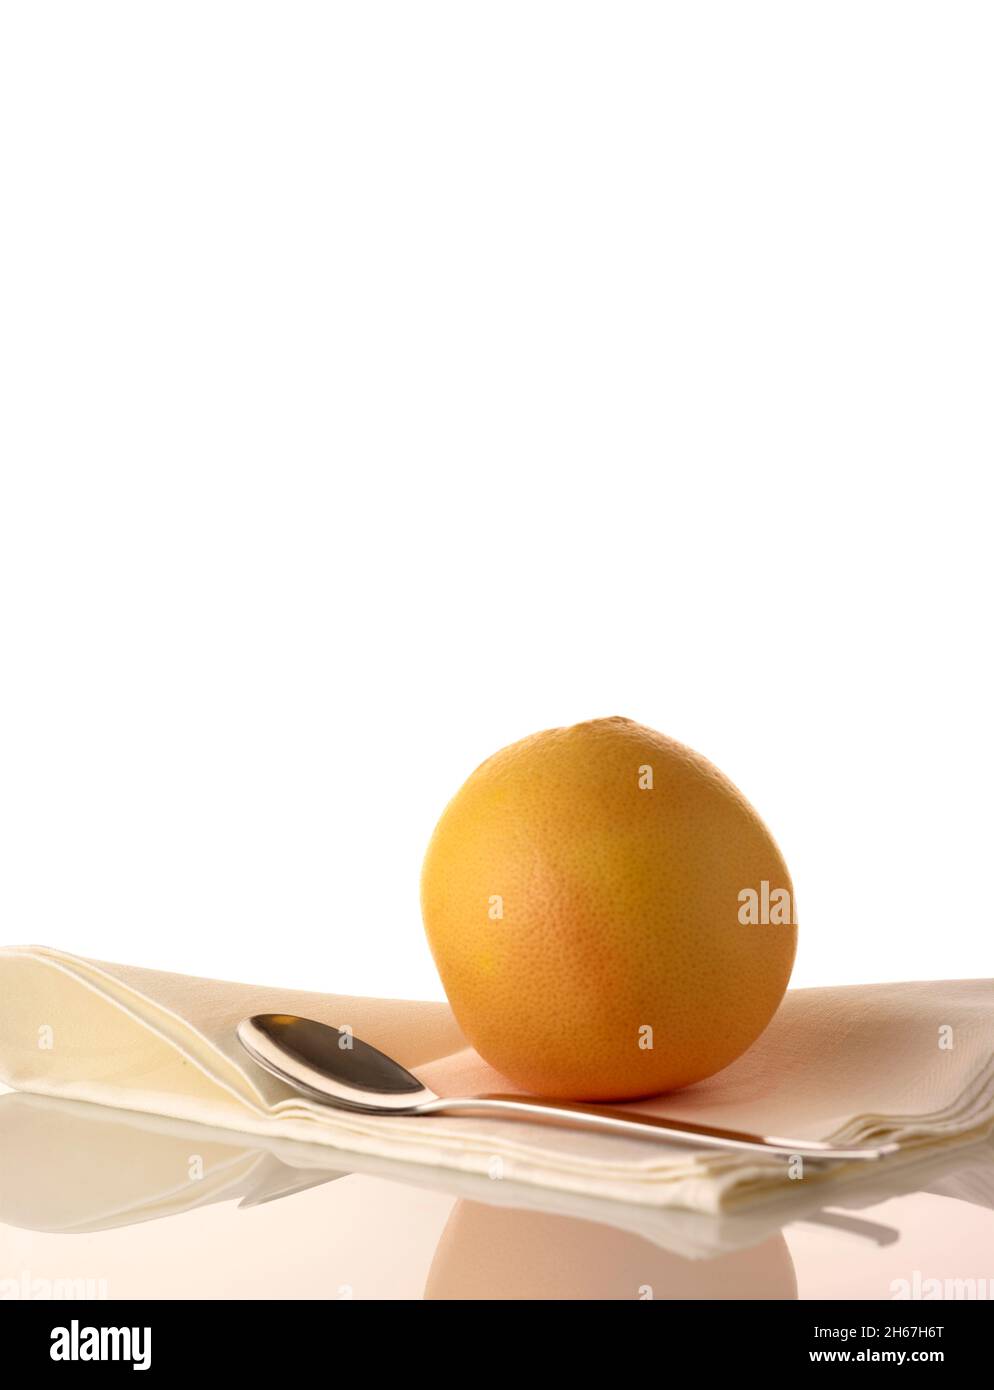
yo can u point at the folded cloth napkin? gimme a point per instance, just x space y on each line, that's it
912 1062
129 1168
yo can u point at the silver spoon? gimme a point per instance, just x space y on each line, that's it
340 1070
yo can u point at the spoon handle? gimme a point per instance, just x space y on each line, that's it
634 1125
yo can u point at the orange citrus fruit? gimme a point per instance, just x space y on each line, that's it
609 916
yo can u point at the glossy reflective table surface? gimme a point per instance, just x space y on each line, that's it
98 1203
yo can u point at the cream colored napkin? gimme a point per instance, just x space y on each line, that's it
129 1168
912 1062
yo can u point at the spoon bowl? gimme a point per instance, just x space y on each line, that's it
331 1064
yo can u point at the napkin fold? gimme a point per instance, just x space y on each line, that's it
911 1062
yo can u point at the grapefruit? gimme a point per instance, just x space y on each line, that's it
609 916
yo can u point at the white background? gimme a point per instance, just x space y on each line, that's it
383 382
